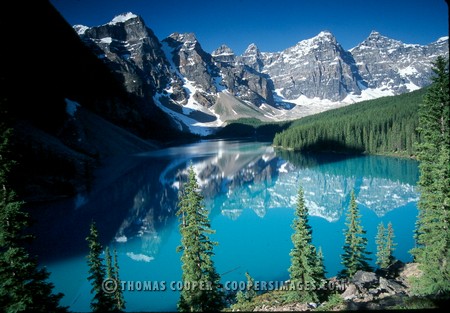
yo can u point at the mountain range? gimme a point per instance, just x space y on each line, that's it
202 91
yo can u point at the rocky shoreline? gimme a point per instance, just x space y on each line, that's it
380 290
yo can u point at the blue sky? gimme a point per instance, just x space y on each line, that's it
272 25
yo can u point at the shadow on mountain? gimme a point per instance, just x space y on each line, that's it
57 151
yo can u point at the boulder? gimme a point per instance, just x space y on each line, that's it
365 279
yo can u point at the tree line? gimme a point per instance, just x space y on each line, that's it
382 126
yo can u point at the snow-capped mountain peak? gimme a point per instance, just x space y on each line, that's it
80 29
442 39
252 49
122 18
223 50
325 34
198 89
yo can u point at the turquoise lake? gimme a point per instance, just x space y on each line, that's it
250 190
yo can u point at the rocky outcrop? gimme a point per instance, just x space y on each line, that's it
364 291
315 68
389 64
193 66
382 290
253 58
131 50
241 79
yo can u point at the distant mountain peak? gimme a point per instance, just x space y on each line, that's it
325 34
378 41
223 50
122 18
80 29
252 49
183 37
184 41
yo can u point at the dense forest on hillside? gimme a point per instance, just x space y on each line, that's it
382 126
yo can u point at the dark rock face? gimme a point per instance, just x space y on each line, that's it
131 50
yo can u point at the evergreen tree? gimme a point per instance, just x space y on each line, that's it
320 267
306 268
385 245
118 294
112 272
109 266
390 244
250 292
432 228
382 259
102 301
23 285
196 248
354 257
242 298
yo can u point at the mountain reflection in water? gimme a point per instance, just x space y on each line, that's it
250 190
137 195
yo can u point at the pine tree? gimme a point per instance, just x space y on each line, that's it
306 268
196 248
320 267
112 272
108 261
250 291
118 294
432 228
354 257
101 302
390 244
23 285
242 298
382 258
385 245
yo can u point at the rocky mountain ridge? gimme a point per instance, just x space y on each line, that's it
202 91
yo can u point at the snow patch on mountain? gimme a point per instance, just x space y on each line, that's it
122 18
80 29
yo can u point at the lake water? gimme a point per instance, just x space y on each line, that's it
250 191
